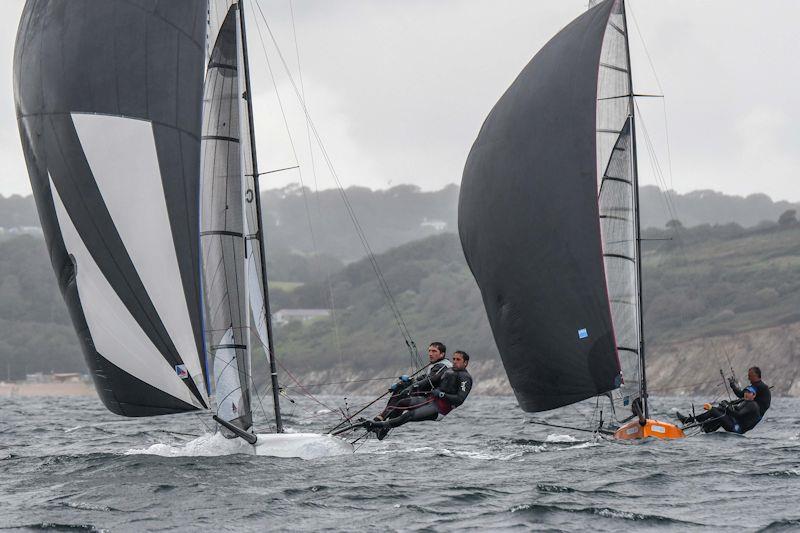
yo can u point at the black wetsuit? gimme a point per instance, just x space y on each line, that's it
406 394
738 417
455 384
763 396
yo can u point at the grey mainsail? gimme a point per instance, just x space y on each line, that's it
108 99
547 219
223 228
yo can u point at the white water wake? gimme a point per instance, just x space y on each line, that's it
283 445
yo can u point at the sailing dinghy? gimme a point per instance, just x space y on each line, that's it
136 124
549 224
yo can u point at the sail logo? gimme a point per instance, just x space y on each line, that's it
583 333
181 371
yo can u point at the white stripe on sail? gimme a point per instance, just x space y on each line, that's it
115 333
122 155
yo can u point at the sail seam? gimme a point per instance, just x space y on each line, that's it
120 115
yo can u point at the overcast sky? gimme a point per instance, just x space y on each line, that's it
398 90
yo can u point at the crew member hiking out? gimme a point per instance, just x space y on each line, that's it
421 385
739 416
451 390
763 396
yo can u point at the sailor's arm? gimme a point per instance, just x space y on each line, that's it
735 388
431 379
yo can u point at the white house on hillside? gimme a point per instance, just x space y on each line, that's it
285 316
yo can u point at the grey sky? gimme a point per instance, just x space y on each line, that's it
398 90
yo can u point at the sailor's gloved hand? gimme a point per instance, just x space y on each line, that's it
724 403
437 393
732 383
404 378
707 406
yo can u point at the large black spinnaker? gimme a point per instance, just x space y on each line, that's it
530 220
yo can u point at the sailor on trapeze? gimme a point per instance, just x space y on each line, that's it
442 388
738 416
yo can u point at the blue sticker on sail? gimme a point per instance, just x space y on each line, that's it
582 333
181 371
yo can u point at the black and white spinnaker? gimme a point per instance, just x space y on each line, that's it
136 124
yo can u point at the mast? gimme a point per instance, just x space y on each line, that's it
635 173
260 234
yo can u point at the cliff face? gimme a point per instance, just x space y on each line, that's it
682 368
692 367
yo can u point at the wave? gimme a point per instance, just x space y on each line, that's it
791 524
56 526
605 512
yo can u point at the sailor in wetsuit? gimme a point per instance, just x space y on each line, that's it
763 396
407 392
739 416
453 388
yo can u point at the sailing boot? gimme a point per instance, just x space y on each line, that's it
381 433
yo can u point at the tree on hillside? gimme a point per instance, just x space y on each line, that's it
788 218
674 224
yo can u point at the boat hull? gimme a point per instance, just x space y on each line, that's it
653 428
301 445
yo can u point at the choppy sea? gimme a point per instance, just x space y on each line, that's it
68 464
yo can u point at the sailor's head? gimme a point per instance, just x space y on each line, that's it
749 393
436 351
460 360
754 374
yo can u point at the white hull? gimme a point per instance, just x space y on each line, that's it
283 445
301 445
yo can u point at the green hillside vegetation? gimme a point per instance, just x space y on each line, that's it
36 333
722 280
405 213
709 280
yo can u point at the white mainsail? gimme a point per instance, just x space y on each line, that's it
616 198
223 226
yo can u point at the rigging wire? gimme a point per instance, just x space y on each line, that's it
667 191
303 191
394 307
336 336
659 175
629 9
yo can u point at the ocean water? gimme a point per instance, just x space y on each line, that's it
68 464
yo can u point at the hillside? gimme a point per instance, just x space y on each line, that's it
712 293
405 213
707 292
